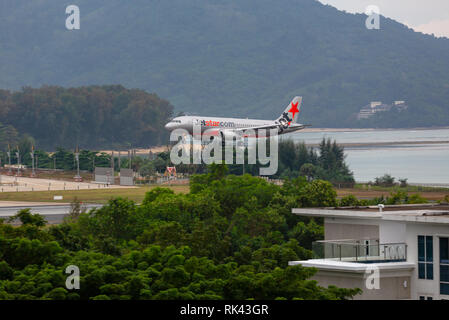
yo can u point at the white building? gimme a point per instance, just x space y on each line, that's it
377 106
408 245
373 108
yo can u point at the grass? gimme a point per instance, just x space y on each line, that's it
87 196
405 189
138 194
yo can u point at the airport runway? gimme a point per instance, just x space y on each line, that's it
53 213
20 184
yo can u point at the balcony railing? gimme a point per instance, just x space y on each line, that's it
362 251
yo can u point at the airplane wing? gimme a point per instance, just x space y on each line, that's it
273 126
268 126
302 126
243 132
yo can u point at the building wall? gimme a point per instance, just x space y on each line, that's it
389 232
392 232
126 177
424 287
391 288
340 229
104 175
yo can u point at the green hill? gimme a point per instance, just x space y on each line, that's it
231 58
91 117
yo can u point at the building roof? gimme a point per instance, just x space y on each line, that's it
327 264
422 213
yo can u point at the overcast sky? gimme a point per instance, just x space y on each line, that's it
428 16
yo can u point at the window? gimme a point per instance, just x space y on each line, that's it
425 257
444 266
367 248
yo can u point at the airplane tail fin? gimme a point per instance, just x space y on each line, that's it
291 112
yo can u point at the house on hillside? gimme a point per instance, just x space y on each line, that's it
377 106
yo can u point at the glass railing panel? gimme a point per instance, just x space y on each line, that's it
358 252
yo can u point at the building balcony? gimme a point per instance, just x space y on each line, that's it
360 251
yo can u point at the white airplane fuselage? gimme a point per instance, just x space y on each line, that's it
286 123
222 124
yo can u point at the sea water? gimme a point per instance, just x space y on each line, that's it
425 163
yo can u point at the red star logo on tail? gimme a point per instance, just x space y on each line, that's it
294 110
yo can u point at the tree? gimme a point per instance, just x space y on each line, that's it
150 196
318 193
308 170
8 136
349 201
116 220
93 116
27 218
385 181
76 208
403 183
231 239
147 169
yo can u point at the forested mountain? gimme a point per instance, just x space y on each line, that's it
94 116
231 58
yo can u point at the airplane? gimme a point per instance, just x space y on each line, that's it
235 128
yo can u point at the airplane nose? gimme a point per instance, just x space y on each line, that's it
168 125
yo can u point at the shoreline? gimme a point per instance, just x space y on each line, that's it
158 149
382 144
370 129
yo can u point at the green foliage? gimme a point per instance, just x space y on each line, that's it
147 169
93 116
349 201
395 198
230 239
385 181
402 197
8 136
116 220
416 198
295 159
27 218
308 170
318 193
150 196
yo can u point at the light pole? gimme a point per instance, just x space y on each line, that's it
112 167
18 161
33 173
93 166
119 164
112 161
77 158
9 161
